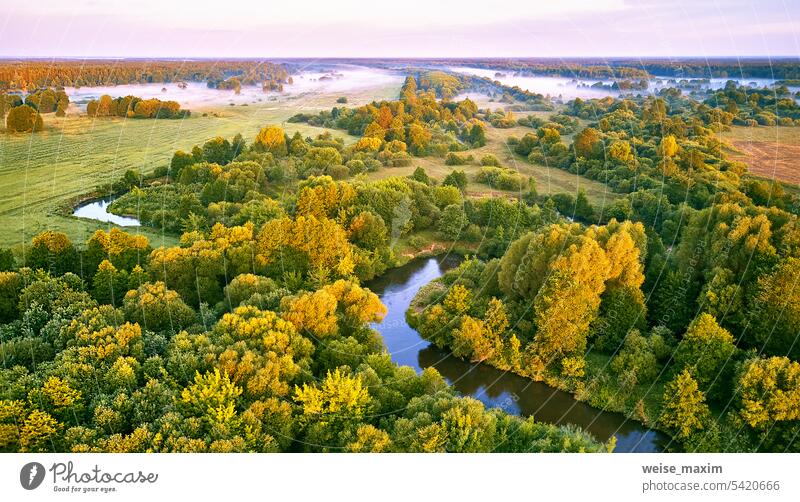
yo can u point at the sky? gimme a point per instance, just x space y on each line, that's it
399 28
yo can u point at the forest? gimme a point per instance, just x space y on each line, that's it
672 302
22 75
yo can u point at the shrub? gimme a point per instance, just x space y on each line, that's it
24 119
490 160
454 159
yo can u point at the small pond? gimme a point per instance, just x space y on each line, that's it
98 210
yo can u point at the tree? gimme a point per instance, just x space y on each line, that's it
212 397
583 208
7 261
271 139
458 299
668 147
706 351
368 231
314 314
218 151
453 221
125 251
109 285
685 411
260 352
457 179
636 362
563 311
52 252
333 410
587 143
305 244
10 287
776 314
318 159
39 433
620 151
418 139
157 308
622 309
477 134
24 119
768 393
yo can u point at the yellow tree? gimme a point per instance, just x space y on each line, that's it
685 411
271 139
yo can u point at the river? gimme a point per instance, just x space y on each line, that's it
493 387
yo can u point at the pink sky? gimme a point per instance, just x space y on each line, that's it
410 28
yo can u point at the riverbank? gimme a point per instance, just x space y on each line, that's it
595 386
494 387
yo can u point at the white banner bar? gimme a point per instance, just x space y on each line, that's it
389 477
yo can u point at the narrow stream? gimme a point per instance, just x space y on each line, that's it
495 388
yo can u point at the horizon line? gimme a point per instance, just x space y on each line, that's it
421 58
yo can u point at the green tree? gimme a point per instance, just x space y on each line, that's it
706 351
453 221
157 308
775 318
109 284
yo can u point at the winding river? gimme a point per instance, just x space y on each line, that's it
495 388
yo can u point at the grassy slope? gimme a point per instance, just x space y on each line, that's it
43 172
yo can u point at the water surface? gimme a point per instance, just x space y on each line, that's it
98 210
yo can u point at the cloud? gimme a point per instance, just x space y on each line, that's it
342 28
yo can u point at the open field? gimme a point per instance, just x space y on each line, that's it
549 180
770 152
42 173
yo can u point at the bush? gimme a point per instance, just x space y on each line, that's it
338 172
500 178
457 179
490 160
454 159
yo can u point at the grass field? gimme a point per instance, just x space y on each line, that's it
769 152
42 173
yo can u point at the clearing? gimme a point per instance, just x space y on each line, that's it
769 152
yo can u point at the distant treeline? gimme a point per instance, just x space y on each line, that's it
617 68
725 68
27 74
135 107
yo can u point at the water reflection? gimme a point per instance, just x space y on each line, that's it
98 210
493 387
